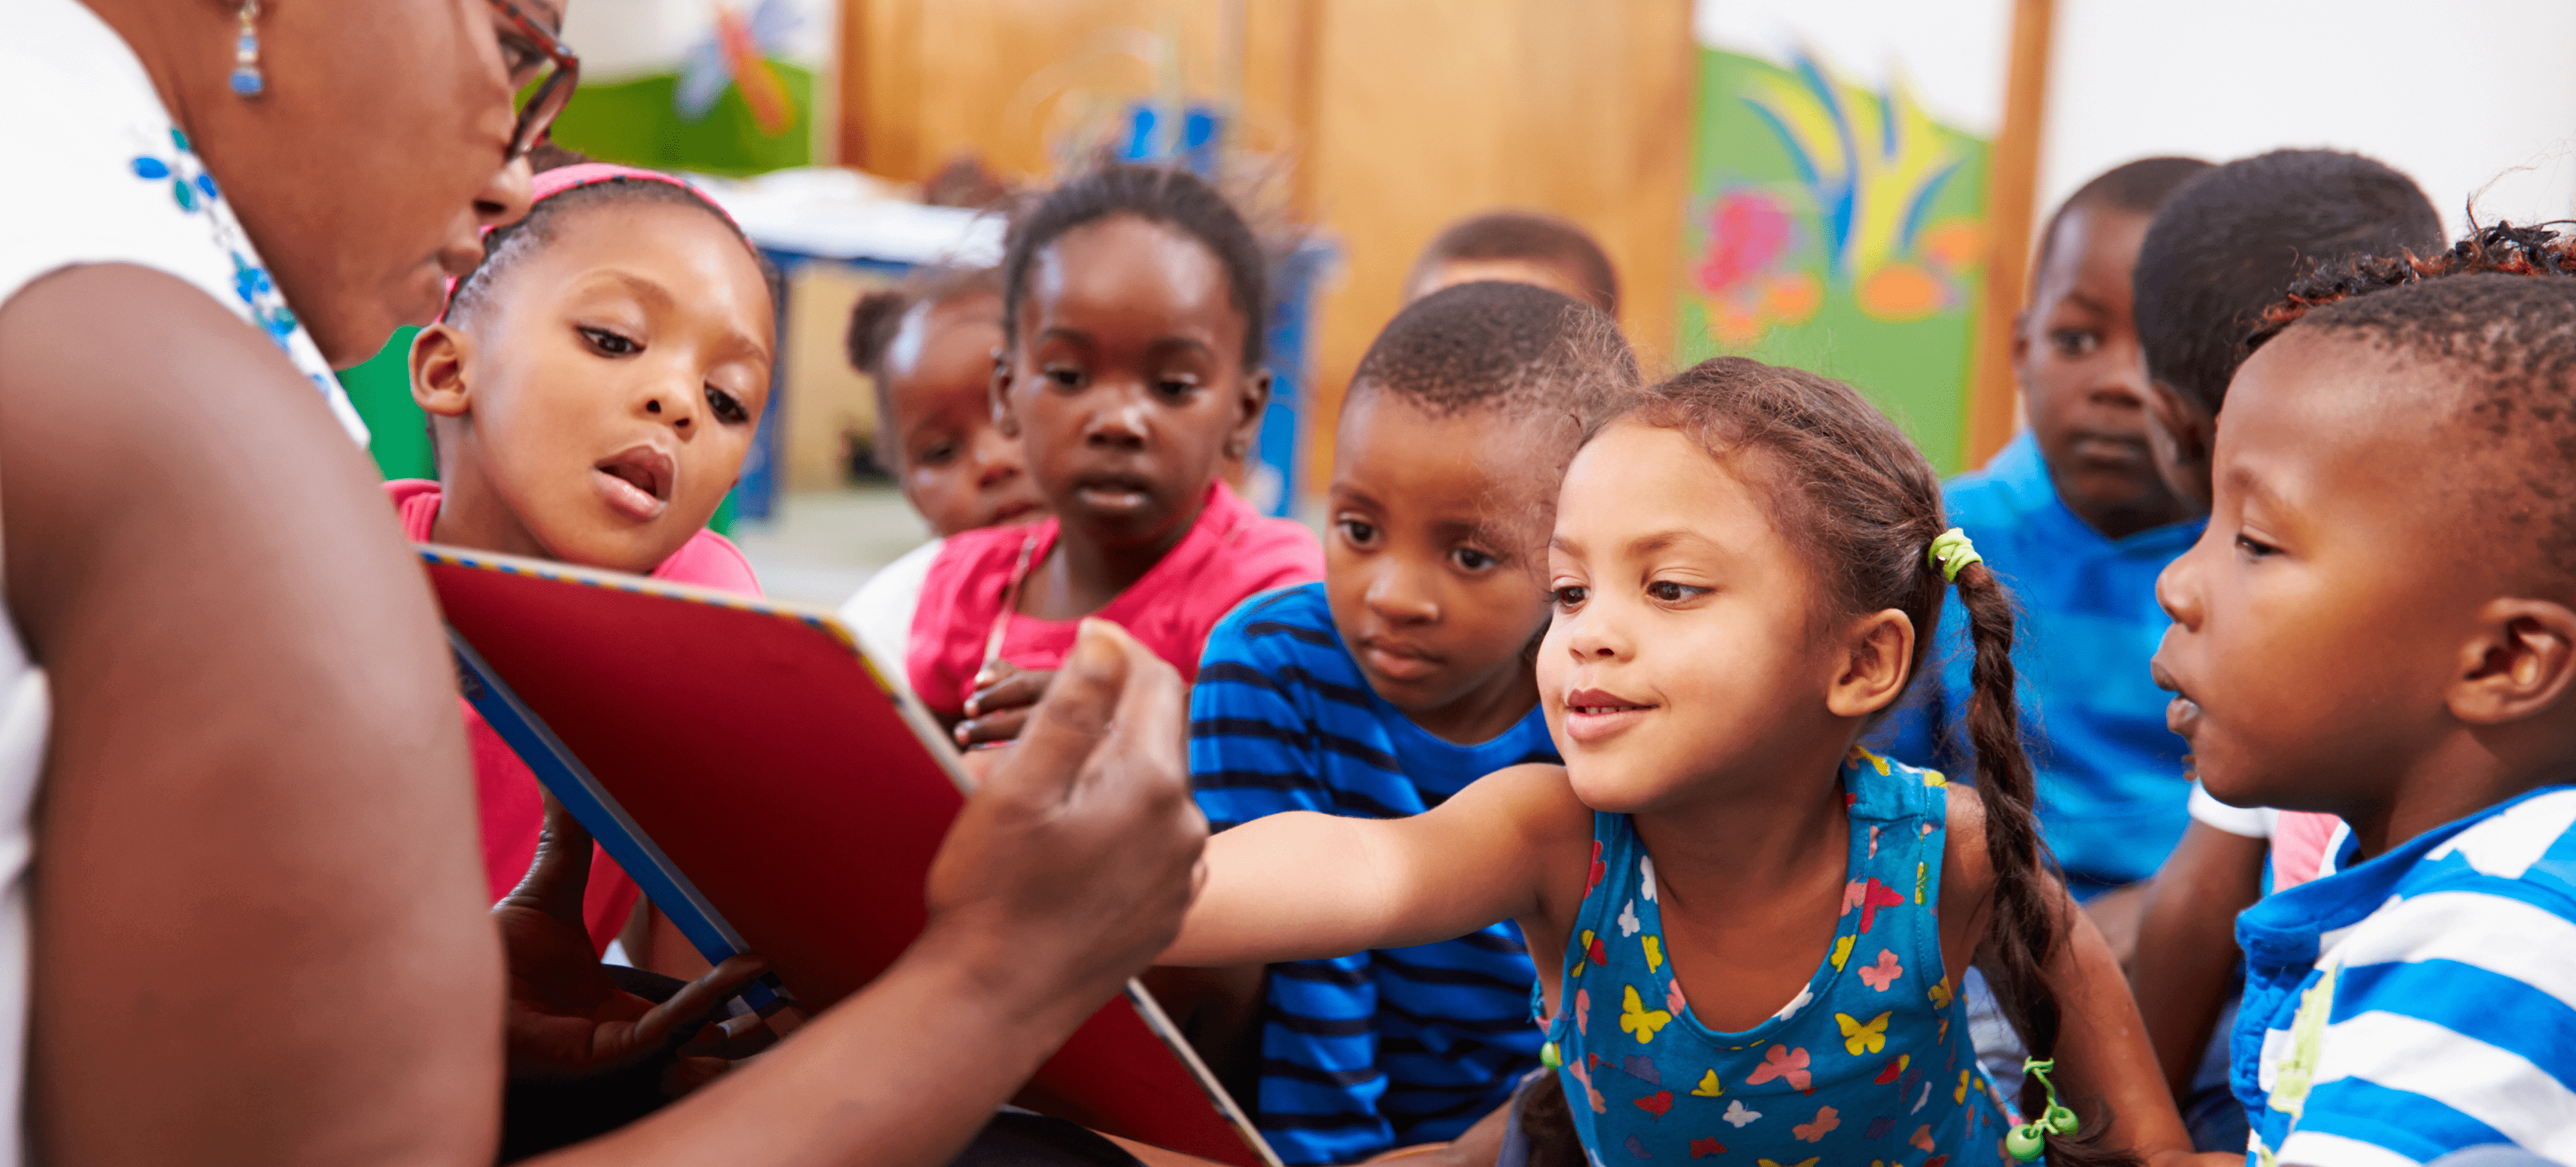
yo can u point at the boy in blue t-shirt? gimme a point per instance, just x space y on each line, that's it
1401 678
2075 518
2380 624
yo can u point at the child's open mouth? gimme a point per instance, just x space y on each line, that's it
636 482
2182 714
1592 715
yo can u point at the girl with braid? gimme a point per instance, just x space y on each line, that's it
1757 930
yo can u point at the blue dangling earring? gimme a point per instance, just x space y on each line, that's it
248 81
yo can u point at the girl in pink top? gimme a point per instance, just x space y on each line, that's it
592 390
1132 305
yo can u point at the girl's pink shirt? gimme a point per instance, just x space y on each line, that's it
1230 553
512 807
2299 841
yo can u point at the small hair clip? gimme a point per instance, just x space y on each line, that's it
1951 552
2026 1141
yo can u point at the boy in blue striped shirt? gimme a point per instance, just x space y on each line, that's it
1401 678
2381 624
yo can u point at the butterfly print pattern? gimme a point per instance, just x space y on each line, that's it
1840 1074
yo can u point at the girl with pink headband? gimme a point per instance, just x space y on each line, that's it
569 176
592 389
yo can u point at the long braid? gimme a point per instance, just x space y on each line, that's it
2027 924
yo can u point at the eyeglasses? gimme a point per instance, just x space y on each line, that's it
551 94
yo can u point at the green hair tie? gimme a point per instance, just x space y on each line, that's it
2026 1141
1952 552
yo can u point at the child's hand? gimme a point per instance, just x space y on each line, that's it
1004 694
1071 864
565 1018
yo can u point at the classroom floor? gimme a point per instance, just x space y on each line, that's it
821 545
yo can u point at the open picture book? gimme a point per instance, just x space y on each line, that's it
771 791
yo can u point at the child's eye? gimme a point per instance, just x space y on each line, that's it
2254 547
939 455
2075 342
610 343
1064 376
1360 532
1176 389
1673 593
1569 596
1471 559
727 407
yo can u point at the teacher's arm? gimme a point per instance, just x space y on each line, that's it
259 928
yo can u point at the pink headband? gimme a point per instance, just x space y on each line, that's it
549 183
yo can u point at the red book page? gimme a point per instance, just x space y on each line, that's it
748 740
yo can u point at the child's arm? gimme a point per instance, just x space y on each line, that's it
1298 886
2187 944
2105 1066
2103 1056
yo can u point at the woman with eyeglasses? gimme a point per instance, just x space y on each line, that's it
241 910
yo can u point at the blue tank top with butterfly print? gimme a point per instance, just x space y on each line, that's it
1869 1064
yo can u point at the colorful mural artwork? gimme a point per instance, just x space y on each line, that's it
1836 229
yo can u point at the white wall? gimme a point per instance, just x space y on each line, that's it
2463 95
621 39
1950 53
2458 94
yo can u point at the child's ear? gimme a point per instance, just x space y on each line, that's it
1882 650
2189 434
438 357
2021 347
2193 431
1000 396
1247 428
2518 664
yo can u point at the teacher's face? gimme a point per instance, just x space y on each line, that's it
364 174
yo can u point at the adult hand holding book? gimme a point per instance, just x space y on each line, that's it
1079 853
1065 873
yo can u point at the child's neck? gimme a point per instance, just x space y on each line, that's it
471 514
1080 576
1770 827
2116 521
2463 775
1481 714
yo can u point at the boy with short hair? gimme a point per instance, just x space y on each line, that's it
1521 247
1387 688
2073 514
2222 250
2372 633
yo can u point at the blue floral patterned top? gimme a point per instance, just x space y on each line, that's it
1870 1063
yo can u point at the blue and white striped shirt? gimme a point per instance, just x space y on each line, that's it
1363 1053
2419 1003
